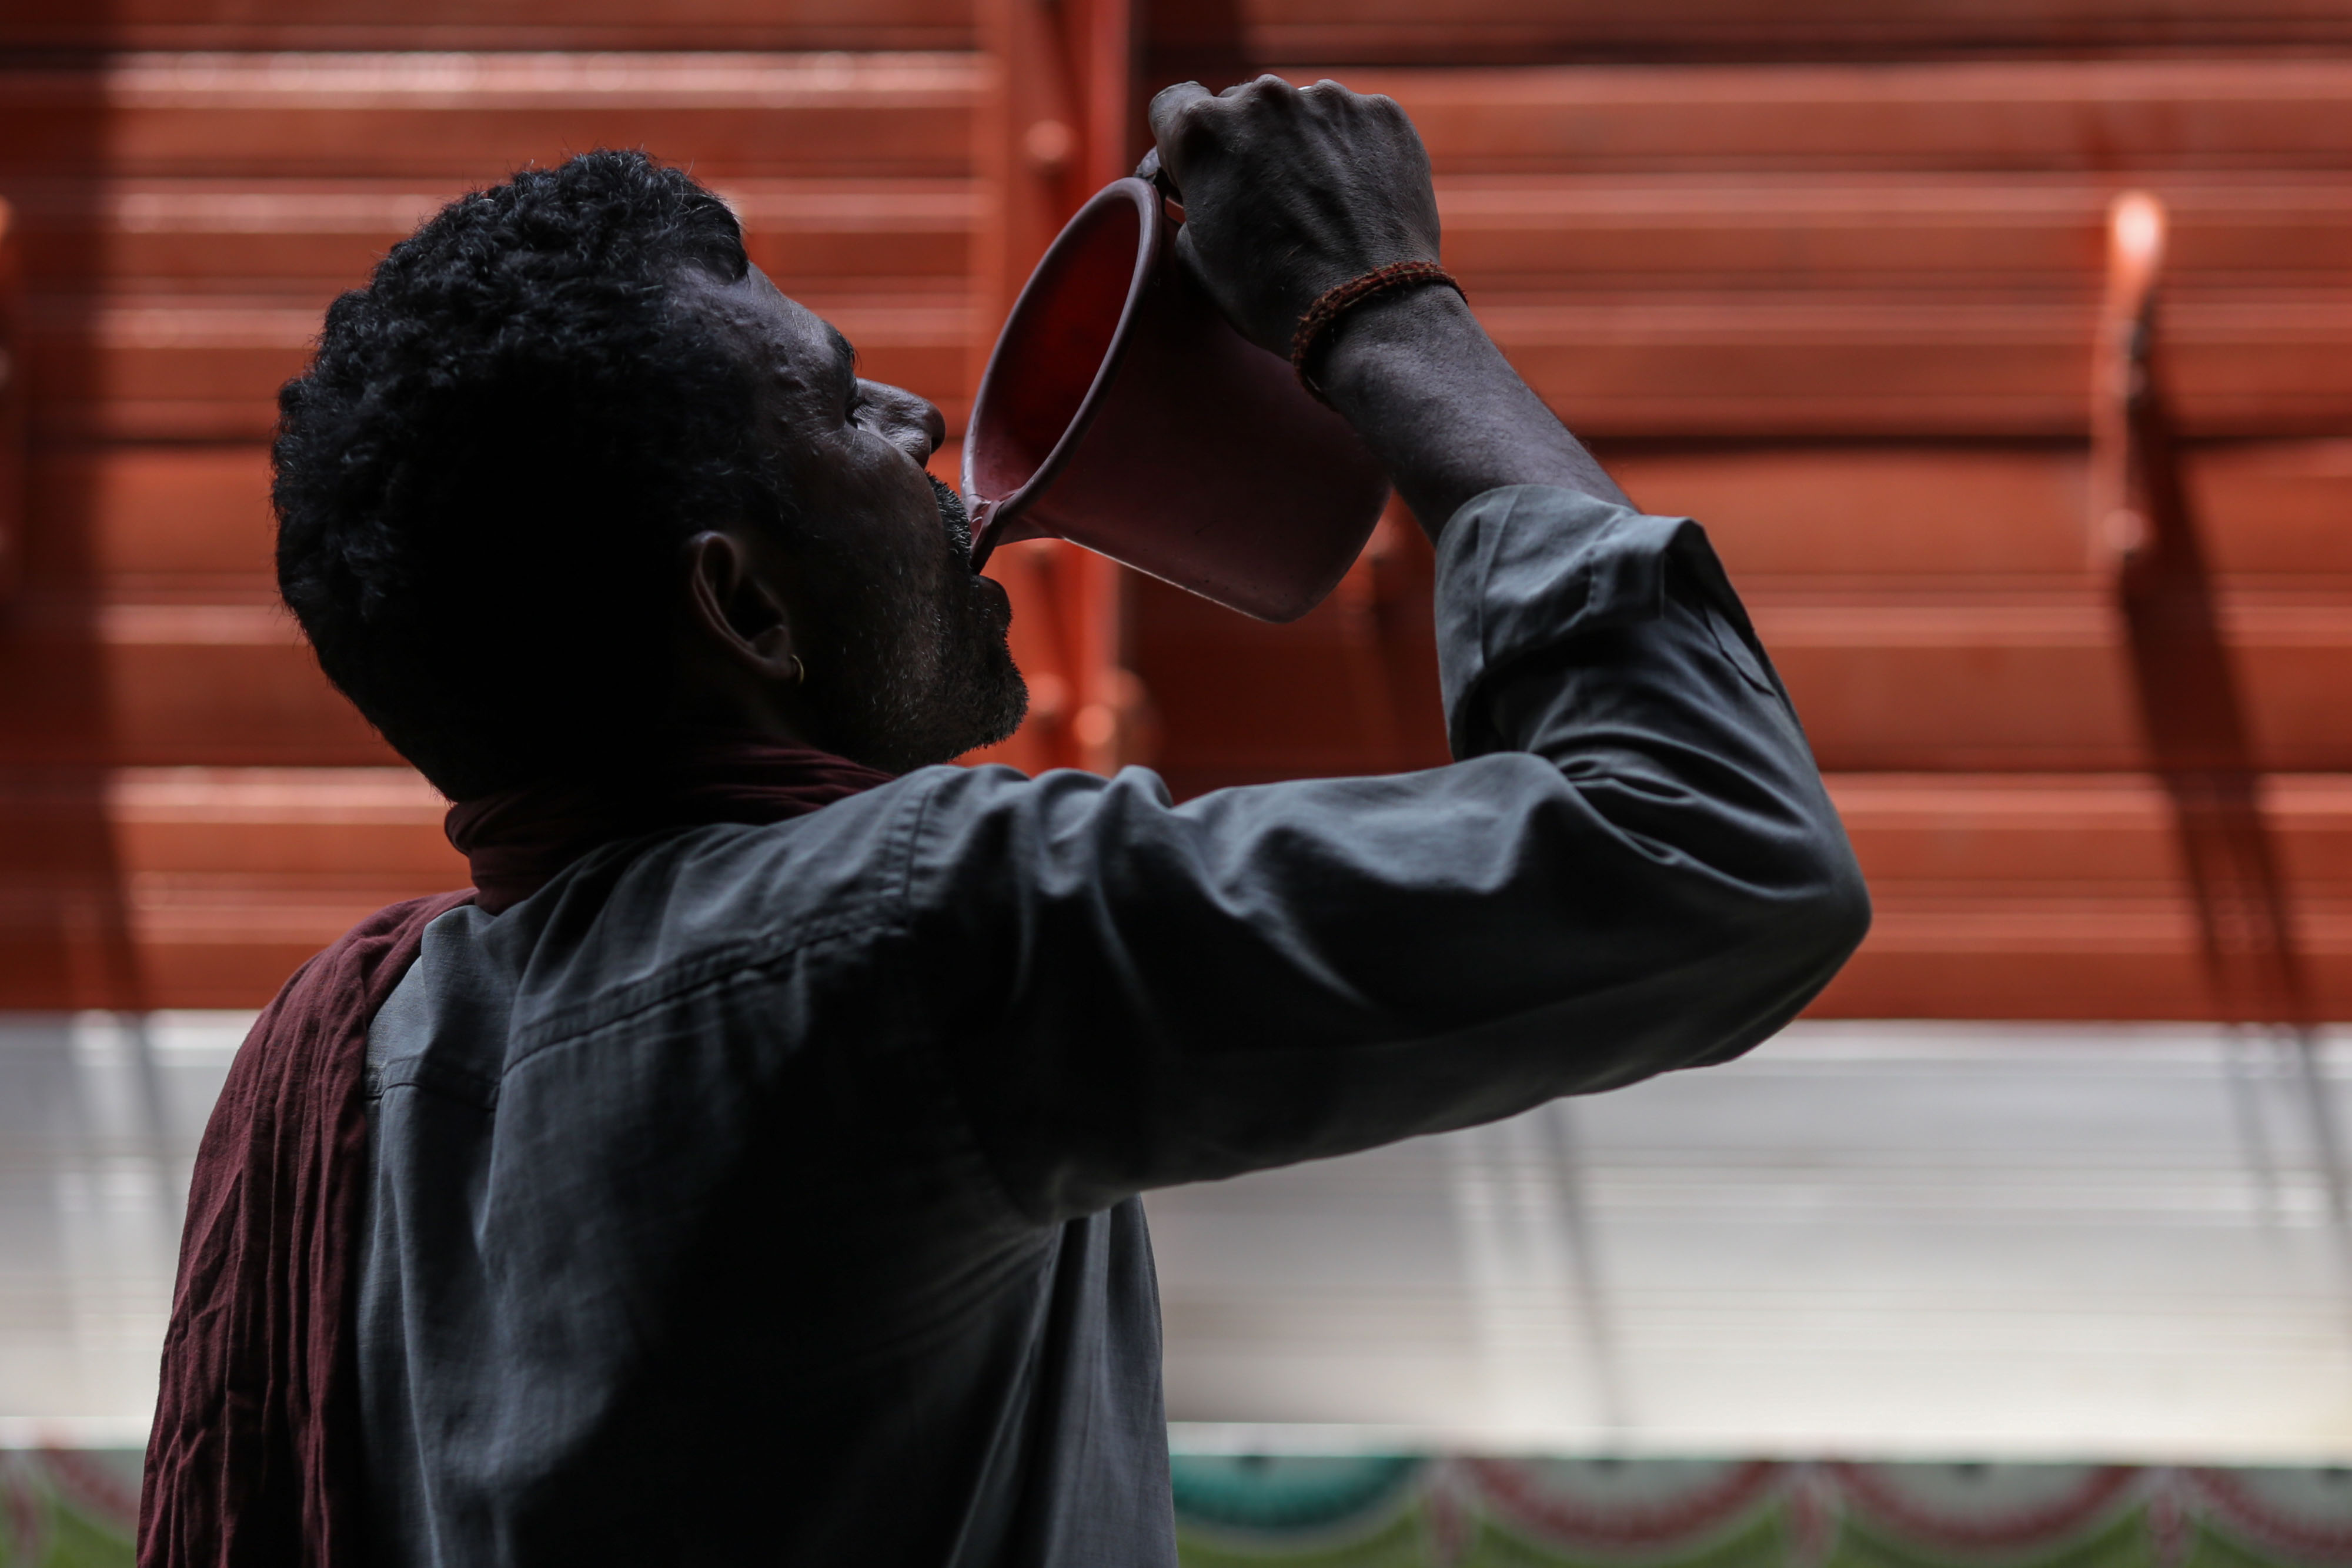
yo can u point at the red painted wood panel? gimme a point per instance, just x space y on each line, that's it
1961 515
1763 367
2061 898
599 24
1930 608
1486 32
1933 683
1513 32
1840 314
2007 684
2103 116
2015 235
86 684
146 522
477 117
195 888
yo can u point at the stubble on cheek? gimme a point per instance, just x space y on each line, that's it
980 683
926 674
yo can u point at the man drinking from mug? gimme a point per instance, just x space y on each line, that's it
748 1168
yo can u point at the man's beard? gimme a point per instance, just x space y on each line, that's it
953 515
926 672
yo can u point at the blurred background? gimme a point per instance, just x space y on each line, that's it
2032 1244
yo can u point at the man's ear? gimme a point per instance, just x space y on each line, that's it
732 603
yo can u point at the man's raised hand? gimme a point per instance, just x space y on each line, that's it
1290 191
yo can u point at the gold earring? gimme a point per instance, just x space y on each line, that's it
799 671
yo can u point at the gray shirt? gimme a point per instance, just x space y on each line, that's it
769 1194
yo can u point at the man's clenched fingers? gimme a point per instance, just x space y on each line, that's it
1288 192
1188 113
1171 109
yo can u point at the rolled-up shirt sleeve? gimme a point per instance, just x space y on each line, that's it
1632 867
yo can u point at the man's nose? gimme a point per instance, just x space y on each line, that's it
914 423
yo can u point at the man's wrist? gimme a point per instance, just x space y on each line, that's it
1439 405
1379 338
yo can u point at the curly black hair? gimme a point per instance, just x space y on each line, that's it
483 476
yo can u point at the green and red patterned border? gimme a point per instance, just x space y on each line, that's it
73 1507
1472 1512
68 1508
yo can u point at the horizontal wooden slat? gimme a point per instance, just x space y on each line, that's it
600 24
139 522
1967 237
477 117
2268 512
2110 833
165 684
164 947
313 238
356 824
1501 32
2110 116
1880 685
2061 958
2062 897
1808 368
199 887
1513 32
208 368
362 825
2013 683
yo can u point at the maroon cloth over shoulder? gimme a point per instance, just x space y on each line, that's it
254 1459
255 1418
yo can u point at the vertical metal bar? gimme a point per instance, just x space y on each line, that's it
162 1146
2327 1137
2238 1044
1584 1264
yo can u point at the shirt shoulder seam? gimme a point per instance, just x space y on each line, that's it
726 962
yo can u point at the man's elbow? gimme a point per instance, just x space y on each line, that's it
1811 924
1838 907
1774 956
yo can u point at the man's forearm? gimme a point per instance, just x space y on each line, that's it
1441 408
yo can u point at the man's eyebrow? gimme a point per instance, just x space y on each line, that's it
844 359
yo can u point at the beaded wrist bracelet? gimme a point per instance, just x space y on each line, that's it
1334 303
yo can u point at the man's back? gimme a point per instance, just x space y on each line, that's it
680 1242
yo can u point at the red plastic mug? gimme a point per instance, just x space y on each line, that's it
1121 412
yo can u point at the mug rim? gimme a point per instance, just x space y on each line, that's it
994 518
